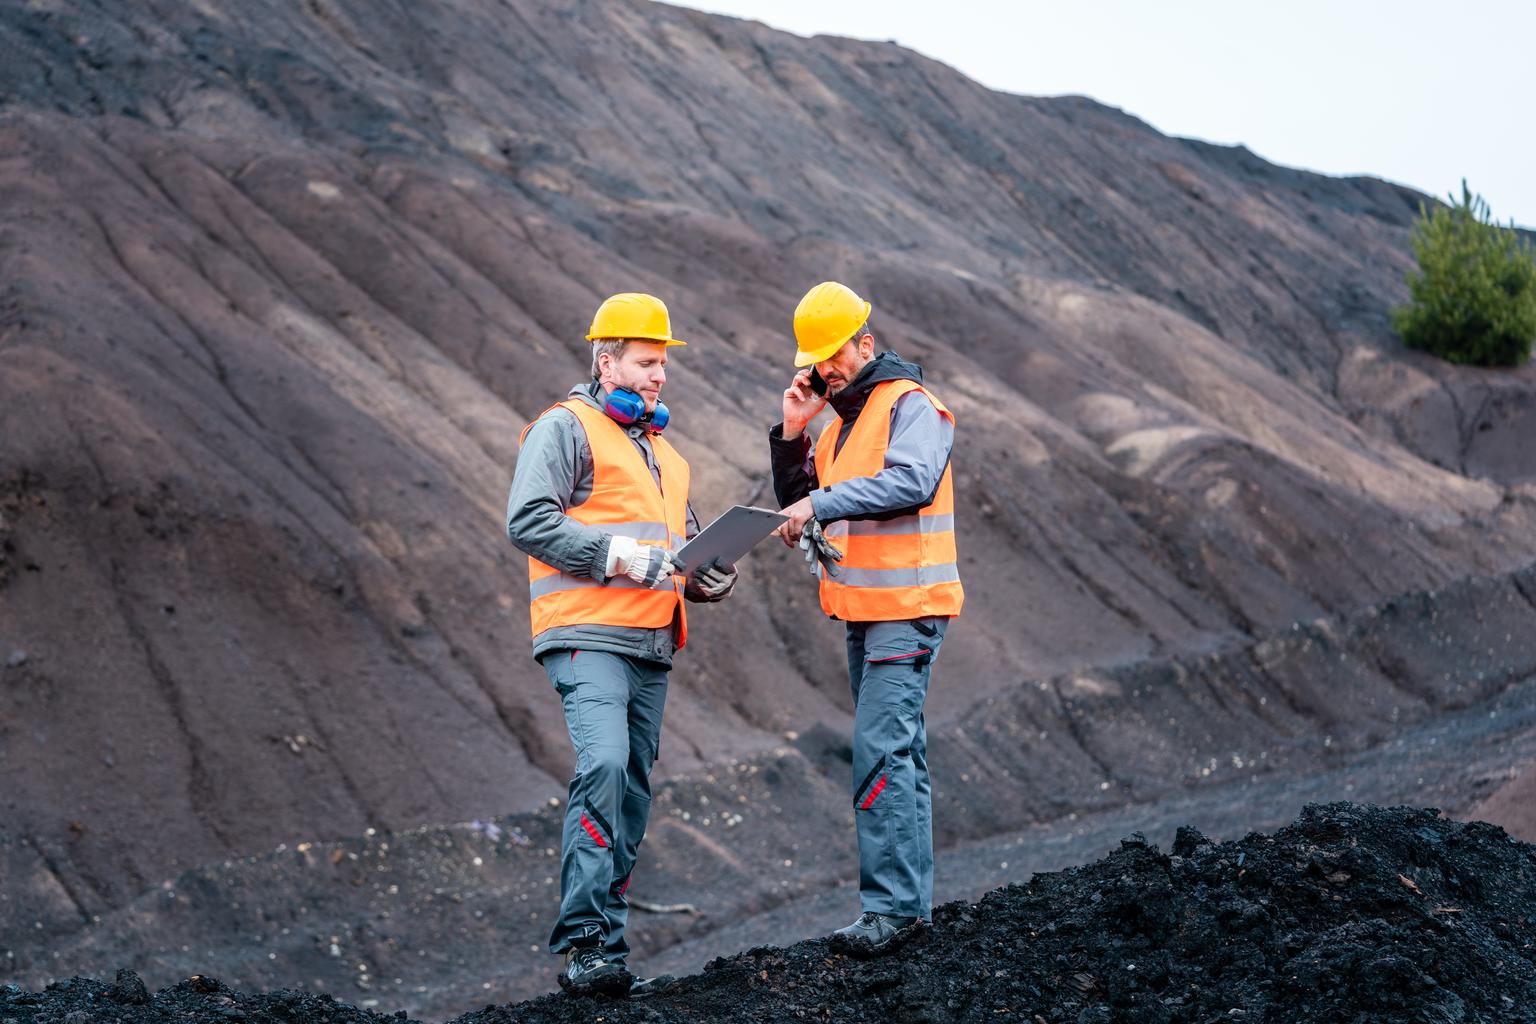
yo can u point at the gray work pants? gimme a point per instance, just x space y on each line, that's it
889 665
613 707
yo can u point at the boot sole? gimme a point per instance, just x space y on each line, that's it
605 981
863 949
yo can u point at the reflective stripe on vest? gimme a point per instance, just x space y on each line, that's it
919 576
892 569
901 524
625 502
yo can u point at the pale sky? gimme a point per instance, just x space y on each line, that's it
1414 92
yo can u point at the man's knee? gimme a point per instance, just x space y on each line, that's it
606 765
881 728
601 776
869 751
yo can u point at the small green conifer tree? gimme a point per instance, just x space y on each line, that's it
1473 299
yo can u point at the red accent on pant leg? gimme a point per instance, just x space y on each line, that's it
899 657
625 887
593 832
874 792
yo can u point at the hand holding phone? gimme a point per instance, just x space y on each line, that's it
802 401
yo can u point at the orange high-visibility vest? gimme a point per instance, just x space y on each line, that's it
892 569
626 502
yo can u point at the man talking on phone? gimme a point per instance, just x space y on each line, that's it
872 502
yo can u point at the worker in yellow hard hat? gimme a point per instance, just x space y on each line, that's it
601 528
872 501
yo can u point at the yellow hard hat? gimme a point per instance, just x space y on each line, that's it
633 315
825 319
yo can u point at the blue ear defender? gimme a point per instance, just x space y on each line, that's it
624 405
627 407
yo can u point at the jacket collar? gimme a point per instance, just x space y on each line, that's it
849 402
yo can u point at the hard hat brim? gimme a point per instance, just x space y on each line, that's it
811 358
669 342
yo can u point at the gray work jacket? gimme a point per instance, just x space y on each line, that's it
915 458
553 474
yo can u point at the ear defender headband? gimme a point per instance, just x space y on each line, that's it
627 407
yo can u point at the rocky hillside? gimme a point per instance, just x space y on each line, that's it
280 284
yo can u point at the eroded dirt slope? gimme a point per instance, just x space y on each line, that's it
280 284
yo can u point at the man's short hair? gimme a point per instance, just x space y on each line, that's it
611 346
853 339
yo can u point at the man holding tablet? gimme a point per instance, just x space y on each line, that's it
599 502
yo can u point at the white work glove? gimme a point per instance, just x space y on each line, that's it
714 580
646 564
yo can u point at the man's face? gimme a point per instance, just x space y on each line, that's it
642 368
846 363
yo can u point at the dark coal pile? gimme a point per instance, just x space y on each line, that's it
82 1001
1352 913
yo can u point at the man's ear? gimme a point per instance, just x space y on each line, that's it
867 347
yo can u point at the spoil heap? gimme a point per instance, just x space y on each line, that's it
1351 913
281 283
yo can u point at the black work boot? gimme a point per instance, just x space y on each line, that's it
642 987
874 934
587 972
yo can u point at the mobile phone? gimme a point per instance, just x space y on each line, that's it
817 384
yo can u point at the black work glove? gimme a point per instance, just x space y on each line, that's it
714 580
